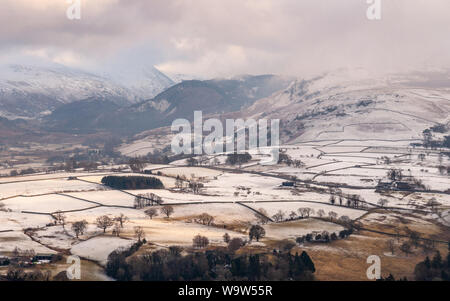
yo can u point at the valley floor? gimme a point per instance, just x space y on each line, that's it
238 198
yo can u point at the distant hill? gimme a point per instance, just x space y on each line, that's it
79 116
33 91
12 129
178 101
352 104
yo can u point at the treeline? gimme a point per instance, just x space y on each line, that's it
324 236
132 182
434 269
214 265
430 142
238 159
19 274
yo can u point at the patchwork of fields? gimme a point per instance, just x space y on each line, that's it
236 198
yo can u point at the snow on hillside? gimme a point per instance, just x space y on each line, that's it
18 221
145 82
99 248
344 105
35 90
12 240
45 204
44 186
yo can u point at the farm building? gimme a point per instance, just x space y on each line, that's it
288 184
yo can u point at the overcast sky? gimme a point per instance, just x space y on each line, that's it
229 37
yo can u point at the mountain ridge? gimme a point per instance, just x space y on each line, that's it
33 91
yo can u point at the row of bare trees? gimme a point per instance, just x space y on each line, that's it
411 242
286 159
301 213
165 210
147 200
102 222
349 200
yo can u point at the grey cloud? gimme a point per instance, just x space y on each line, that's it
226 37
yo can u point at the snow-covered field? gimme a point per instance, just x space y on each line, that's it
354 163
292 230
11 240
228 183
18 221
44 186
45 204
55 237
288 207
92 214
223 213
169 232
99 248
189 171
109 197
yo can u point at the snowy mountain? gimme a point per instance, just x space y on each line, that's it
179 101
179 78
357 105
145 81
29 91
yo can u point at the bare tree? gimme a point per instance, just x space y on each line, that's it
117 229
345 220
175 250
395 174
139 233
421 157
262 216
391 245
332 199
60 218
293 215
397 234
278 217
235 244
152 212
414 239
200 242
383 202
121 219
333 215
136 164
138 202
308 212
302 212
79 227
179 183
256 232
167 210
226 238
104 222
406 248
321 213
433 204
428 246
206 219
195 186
